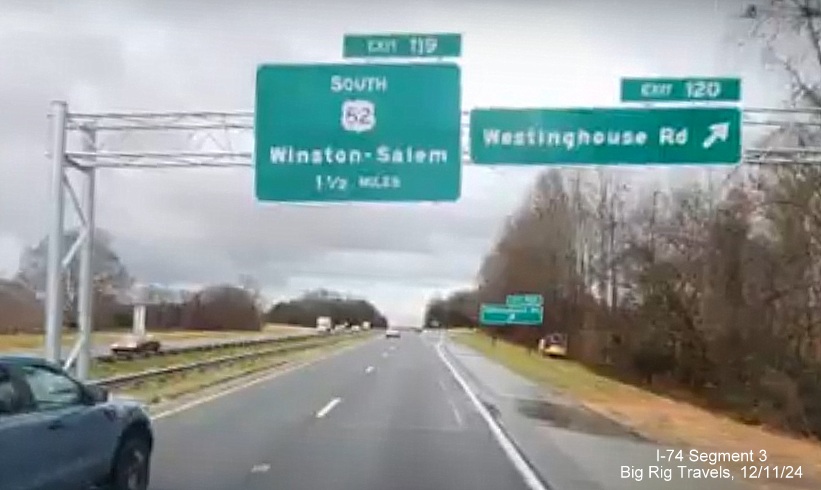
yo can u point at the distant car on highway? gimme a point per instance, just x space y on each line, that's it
324 325
59 434
392 333
554 345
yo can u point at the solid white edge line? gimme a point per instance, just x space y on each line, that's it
327 408
268 377
530 478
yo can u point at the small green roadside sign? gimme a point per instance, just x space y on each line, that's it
696 135
680 89
524 300
490 314
402 45
365 132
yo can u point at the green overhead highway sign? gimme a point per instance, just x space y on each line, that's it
680 89
606 136
369 132
510 315
524 300
402 46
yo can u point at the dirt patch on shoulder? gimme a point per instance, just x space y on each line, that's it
576 418
631 410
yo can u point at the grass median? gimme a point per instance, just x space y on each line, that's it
655 416
28 342
162 388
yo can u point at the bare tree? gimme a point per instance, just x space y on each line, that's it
714 289
110 277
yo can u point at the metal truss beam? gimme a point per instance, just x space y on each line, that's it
211 139
208 139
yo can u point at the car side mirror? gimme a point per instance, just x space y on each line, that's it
96 394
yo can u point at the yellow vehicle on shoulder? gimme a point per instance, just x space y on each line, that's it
554 345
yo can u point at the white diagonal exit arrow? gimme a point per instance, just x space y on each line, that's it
718 132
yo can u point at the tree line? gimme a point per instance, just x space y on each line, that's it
711 288
720 295
306 309
239 306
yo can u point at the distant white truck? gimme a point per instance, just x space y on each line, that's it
324 324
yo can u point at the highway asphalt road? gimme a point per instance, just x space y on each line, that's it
387 414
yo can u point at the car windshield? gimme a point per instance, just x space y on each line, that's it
401 245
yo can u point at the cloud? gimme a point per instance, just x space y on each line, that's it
200 226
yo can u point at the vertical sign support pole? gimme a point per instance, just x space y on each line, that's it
85 299
140 327
135 319
54 275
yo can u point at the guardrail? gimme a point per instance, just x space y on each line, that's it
203 347
124 379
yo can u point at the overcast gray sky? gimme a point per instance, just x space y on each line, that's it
202 226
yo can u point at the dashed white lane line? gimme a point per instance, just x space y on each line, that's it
327 408
260 468
456 413
384 354
268 377
452 404
368 369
